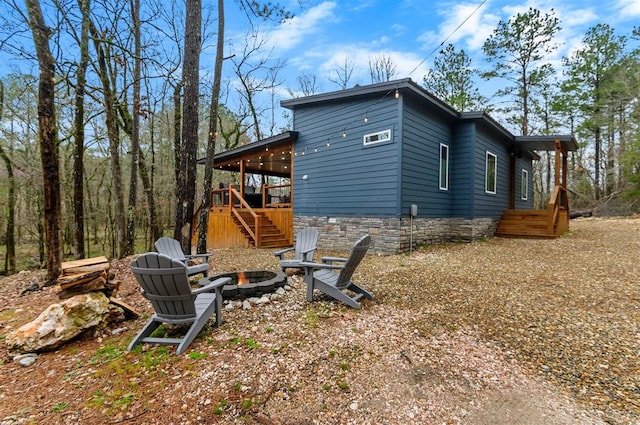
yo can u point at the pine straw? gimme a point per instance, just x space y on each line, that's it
495 332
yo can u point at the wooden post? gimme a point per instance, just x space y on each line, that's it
242 178
558 162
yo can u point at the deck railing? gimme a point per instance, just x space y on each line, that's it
251 221
270 196
278 196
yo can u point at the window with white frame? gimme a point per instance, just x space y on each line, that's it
444 167
491 173
379 137
524 185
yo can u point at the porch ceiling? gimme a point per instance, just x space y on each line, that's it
546 143
271 156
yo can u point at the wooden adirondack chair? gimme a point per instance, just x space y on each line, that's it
334 279
171 248
165 284
304 249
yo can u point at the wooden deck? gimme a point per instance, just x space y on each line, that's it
225 232
234 223
531 224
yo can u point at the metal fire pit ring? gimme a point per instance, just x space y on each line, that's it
260 282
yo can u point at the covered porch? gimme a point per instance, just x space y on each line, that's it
253 208
553 221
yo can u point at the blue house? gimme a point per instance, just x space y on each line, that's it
392 160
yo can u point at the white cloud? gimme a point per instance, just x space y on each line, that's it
462 22
360 55
293 32
629 9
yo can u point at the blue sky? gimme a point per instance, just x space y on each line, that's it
317 40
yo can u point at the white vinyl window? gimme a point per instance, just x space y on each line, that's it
379 137
491 173
444 167
524 185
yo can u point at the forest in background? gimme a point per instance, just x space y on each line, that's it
133 110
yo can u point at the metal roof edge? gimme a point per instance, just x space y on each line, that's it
403 85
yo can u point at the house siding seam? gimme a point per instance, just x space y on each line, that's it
423 131
394 235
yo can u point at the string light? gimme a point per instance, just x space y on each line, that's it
365 118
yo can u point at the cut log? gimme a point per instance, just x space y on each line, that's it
97 284
84 262
129 312
86 269
66 282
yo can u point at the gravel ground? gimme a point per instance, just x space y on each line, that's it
503 331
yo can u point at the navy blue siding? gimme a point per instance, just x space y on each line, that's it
423 131
346 178
489 204
461 173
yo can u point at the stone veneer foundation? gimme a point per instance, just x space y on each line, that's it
393 235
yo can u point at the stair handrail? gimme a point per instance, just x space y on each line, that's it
557 201
253 233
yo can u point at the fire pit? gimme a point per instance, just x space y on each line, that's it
251 283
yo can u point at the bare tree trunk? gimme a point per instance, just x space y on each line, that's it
48 140
135 132
114 143
190 78
78 152
213 132
597 153
10 243
177 151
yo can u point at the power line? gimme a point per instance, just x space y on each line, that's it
448 37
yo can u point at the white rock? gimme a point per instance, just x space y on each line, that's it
246 305
280 291
26 360
263 300
61 322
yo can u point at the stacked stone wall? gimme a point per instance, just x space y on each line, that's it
395 235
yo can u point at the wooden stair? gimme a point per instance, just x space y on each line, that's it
525 224
270 235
